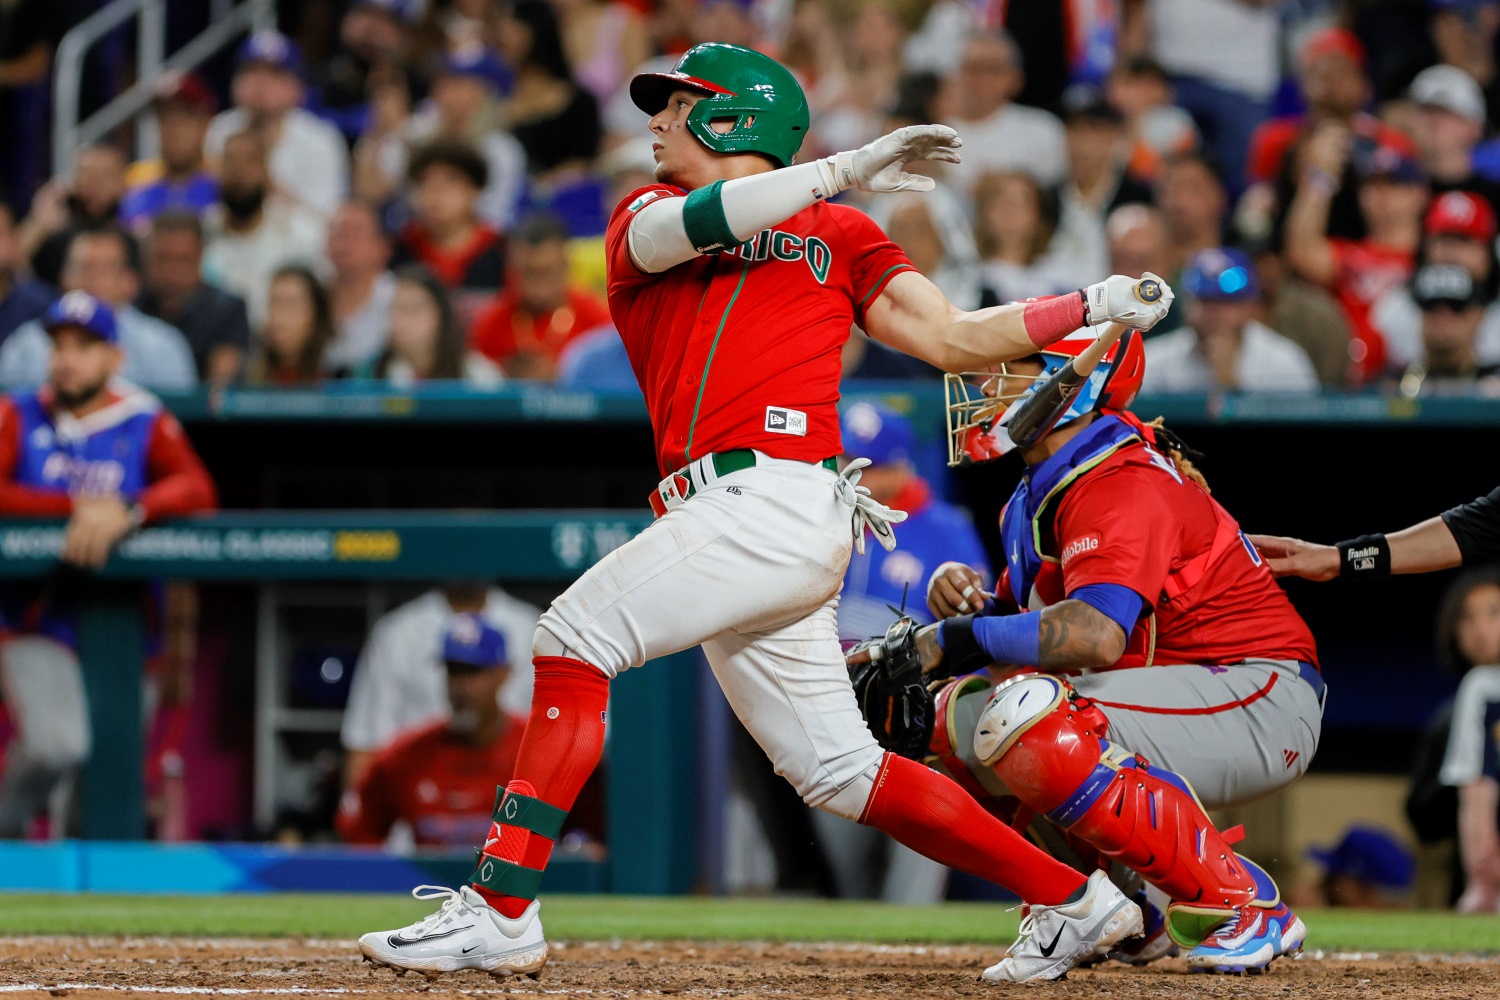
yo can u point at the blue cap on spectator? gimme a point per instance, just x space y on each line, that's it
1221 274
271 48
1370 854
878 433
1388 161
478 62
405 11
84 312
473 642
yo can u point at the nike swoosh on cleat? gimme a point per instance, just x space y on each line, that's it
470 948
1047 950
397 941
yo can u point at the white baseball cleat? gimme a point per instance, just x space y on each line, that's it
465 933
1054 939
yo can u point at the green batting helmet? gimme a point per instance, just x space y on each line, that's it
756 93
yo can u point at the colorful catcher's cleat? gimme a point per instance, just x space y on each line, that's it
1249 941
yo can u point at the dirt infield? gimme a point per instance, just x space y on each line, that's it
107 968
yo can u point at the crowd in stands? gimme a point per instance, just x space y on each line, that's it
420 193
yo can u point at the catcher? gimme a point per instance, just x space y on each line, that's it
1117 560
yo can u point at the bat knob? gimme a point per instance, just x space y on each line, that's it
1148 290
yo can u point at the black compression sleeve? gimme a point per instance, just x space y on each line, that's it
1476 528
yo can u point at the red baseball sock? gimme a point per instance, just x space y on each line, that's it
932 815
564 739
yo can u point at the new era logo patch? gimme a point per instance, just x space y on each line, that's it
780 420
1290 756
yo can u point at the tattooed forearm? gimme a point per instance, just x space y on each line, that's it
1075 635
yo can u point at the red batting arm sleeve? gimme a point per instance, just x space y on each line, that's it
17 498
179 484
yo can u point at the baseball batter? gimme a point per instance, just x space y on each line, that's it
1118 560
733 284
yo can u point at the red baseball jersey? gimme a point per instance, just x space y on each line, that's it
442 787
1135 520
741 349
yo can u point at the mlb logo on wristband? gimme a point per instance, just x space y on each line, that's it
780 420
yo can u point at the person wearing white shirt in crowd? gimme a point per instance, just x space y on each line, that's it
253 230
360 286
998 134
102 262
308 158
400 681
1224 347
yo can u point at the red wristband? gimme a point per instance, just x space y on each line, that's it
1053 318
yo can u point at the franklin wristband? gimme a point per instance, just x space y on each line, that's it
1367 557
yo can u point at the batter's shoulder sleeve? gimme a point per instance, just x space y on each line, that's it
1476 528
873 259
1118 527
622 270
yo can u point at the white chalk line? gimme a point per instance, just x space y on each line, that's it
308 990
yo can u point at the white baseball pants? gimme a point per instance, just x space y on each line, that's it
749 567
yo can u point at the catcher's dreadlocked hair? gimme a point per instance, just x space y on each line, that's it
1180 454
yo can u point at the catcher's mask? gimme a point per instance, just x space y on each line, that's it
981 404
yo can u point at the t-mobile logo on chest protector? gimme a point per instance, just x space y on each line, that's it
780 420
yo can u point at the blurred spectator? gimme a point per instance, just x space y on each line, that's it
554 119
180 180
105 264
933 229
1305 314
446 233
1367 869
91 198
1471 763
1459 228
464 106
107 457
1015 219
1099 179
307 156
373 49
1138 242
999 135
253 231
22 298
605 41
597 362
426 343
439 780
1224 348
400 683
862 79
29 33
1452 305
1392 195
1331 73
1224 64
1463 33
1447 125
361 287
1193 201
1156 129
296 333
214 322
541 311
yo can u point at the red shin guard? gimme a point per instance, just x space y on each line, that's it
562 745
933 816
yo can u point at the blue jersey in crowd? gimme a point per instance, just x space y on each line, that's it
934 533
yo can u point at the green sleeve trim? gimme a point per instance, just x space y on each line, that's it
528 813
880 281
687 451
506 878
703 218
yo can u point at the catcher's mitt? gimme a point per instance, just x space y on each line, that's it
891 691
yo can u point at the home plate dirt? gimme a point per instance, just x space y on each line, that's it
117 968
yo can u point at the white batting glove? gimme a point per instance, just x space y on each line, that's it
1139 303
865 510
878 166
